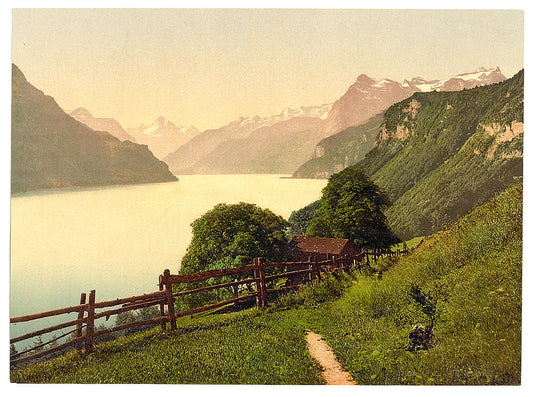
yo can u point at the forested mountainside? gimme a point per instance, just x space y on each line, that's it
336 152
440 154
50 149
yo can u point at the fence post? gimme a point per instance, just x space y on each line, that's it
258 288
263 282
162 305
170 299
259 274
79 326
89 333
316 271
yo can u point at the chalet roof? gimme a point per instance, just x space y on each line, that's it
320 245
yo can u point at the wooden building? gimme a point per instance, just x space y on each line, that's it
301 248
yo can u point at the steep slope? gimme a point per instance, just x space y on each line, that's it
101 124
163 137
472 271
440 154
336 152
50 149
364 99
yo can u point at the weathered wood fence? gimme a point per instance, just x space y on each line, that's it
259 276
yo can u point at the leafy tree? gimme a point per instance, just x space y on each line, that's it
231 235
299 220
234 234
352 207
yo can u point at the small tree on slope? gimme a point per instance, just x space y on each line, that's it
352 208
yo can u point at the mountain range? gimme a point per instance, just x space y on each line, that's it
284 145
329 157
206 153
50 149
53 149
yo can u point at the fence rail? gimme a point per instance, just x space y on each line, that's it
295 273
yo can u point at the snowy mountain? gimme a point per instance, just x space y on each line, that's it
256 122
482 76
101 124
370 96
192 156
163 136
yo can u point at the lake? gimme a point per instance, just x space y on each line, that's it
118 240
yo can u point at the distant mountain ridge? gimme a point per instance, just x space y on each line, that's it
211 151
50 149
162 136
101 124
197 155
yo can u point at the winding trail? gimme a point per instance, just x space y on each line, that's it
333 373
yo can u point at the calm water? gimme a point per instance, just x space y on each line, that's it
118 240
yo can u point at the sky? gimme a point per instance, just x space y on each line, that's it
208 67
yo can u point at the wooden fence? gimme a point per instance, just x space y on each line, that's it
259 276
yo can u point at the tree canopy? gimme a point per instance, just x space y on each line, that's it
352 207
231 235
299 219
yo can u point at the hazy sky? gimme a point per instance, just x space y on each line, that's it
209 67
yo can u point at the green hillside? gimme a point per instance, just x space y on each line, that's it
440 154
341 150
473 269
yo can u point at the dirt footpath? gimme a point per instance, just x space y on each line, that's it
333 373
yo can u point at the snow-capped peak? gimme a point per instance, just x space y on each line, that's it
162 126
479 73
321 112
464 80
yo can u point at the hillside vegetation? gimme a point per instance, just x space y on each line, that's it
473 269
440 154
341 150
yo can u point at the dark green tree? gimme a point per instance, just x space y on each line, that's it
232 235
352 208
299 219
